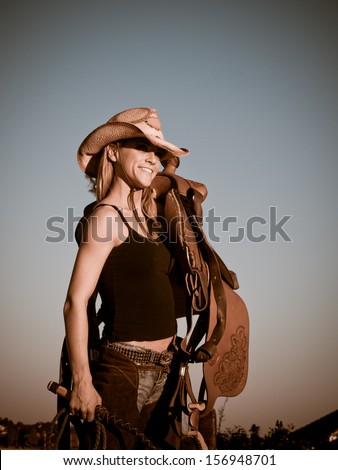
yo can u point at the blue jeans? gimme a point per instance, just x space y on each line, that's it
150 386
129 392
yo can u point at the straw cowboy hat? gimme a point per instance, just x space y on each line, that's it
131 123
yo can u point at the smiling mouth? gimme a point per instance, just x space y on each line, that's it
146 169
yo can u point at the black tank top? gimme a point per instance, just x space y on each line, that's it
137 298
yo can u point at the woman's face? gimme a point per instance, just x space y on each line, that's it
139 160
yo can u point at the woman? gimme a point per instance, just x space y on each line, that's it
122 257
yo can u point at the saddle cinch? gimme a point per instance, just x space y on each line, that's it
217 323
203 286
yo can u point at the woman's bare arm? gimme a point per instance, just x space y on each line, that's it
100 238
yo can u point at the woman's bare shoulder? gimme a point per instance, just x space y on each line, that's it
104 225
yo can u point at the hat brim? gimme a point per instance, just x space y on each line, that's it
90 151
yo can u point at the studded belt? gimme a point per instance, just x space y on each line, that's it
144 357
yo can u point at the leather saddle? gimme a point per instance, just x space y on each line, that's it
203 286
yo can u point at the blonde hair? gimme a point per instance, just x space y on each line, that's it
101 185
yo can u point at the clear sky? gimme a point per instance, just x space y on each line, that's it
250 87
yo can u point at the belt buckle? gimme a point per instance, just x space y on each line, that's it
165 358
